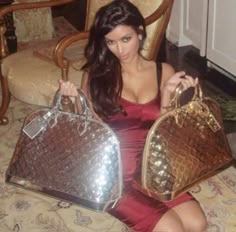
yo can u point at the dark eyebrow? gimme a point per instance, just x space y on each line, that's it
108 39
126 35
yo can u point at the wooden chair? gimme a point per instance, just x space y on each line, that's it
35 80
156 13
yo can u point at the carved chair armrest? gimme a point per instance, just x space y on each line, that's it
164 10
61 46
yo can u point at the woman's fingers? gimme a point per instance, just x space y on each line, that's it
177 82
68 88
179 75
189 81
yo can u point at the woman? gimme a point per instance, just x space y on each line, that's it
128 92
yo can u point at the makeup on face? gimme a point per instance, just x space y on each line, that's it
123 42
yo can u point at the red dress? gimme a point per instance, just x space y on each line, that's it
138 211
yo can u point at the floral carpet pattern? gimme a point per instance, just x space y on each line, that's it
26 211
226 102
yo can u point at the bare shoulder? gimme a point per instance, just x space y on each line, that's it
167 72
149 64
167 69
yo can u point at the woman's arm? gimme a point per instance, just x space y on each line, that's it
170 81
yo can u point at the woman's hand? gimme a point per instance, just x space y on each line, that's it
171 84
68 88
179 77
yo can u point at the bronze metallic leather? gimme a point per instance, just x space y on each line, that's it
185 145
74 157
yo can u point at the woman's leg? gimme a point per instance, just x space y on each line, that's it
192 216
169 222
185 217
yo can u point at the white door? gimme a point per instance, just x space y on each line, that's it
221 41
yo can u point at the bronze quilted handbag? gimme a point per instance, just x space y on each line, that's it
185 145
74 157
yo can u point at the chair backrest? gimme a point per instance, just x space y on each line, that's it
156 13
36 24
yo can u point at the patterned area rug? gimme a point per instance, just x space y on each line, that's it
227 103
23 210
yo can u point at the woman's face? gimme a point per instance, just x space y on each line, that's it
123 42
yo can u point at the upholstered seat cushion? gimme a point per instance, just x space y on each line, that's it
31 73
37 82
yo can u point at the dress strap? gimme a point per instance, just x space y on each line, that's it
159 77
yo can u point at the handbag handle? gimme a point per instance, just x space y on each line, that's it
85 106
197 104
50 118
175 100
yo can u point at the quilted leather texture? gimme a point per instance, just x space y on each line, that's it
183 147
84 168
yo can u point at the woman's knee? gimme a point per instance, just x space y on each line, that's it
194 219
174 224
197 225
192 216
169 228
170 222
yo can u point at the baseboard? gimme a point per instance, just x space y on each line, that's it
221 70
213 74
193 57
221 81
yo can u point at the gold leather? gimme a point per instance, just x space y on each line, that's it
185 145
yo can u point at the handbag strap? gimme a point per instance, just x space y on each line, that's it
197 105
85 106
175 100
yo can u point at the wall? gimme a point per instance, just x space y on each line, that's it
208 25
188 24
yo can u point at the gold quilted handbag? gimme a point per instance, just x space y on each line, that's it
184 146
70 156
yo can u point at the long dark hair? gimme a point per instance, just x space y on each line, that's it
104 71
